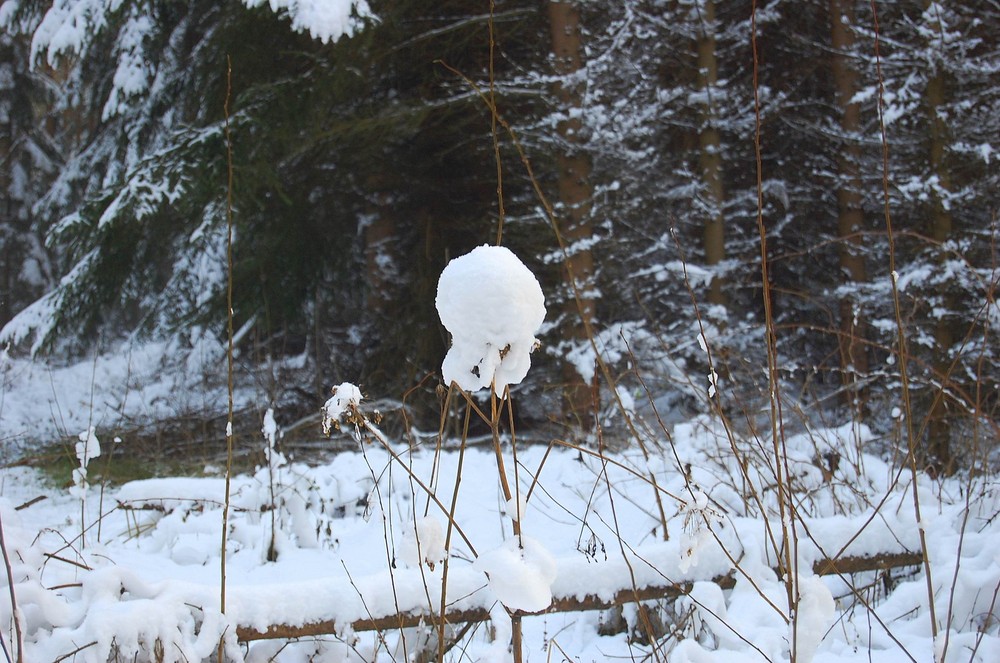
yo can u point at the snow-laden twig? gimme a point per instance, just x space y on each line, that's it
18 644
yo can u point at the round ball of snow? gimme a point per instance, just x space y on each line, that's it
492 305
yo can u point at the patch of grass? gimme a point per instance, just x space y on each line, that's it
125 464
166 449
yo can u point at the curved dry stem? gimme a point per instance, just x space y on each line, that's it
229 348
18 635
447 537
378 435
786 508
901 337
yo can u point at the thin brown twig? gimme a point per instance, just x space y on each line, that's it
229 347
716 407
496 411
57 558
18 635
785 504
616 528
382 440
450 528
901 338
387 535
493 123
76 651
977 416
32 501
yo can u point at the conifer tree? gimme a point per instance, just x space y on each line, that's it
28 159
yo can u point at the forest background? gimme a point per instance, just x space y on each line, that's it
859 139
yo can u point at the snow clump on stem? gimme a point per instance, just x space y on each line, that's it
492 305
88 448
342 406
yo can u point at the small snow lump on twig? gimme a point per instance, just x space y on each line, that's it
342 406
492 305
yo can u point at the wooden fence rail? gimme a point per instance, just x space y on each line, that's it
842 566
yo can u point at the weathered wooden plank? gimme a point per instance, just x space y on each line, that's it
843 565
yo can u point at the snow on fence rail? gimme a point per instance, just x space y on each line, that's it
477 606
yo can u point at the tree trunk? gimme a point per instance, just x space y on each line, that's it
8 254
940 457
710 152
850 215
379 232
575 192
8 272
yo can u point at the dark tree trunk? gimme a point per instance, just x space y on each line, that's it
940 456
850 215
575 192
710 153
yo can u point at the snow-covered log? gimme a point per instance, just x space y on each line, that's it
565 603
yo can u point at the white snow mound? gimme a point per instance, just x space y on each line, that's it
423 543
817 610
520 572
492 305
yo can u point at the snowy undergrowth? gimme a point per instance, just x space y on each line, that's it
346 534
127 387
390 530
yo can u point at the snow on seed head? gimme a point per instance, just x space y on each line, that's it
342 406
492 305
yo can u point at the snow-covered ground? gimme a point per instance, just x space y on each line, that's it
114 571
131 385
135 572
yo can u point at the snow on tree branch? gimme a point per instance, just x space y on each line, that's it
326 20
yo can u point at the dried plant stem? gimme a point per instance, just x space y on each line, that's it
716 406
72 654
18 635
385 510
443 621
378 435
496 411
493 420
978 415
272 548
785 503
229 347
901 335
643 615
493 124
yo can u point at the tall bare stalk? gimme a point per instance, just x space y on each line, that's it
442 624
229 347
786 506
901 337
493 125
18 635
495 411
509 495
